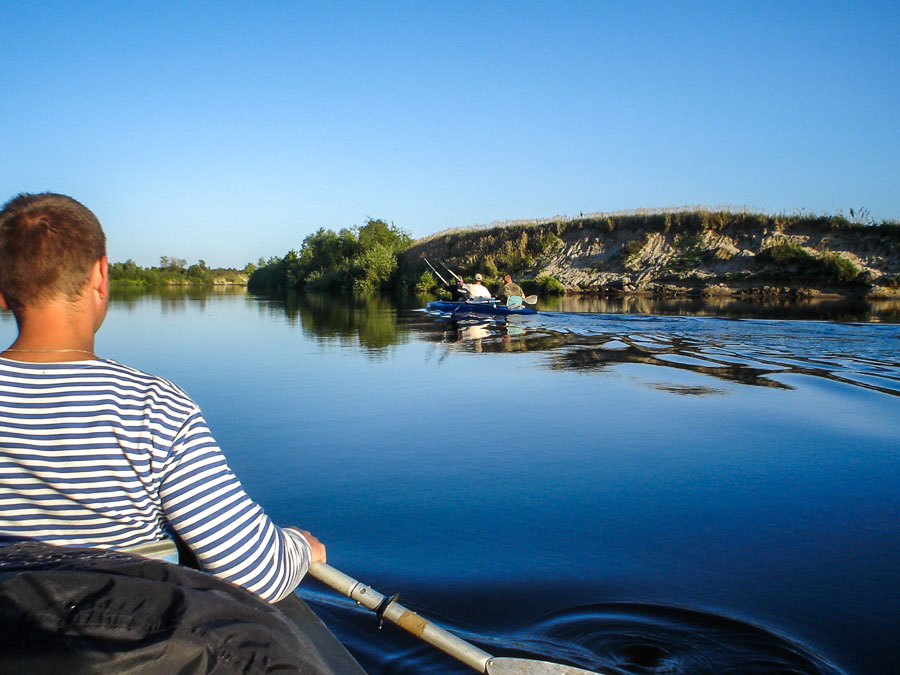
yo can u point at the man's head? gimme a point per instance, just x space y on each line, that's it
49 244
507 279
478 278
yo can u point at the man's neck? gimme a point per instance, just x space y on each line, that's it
54 332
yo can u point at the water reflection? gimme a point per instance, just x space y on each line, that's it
755 307
758 353
599 357
171 298
497 335
366 321
598 343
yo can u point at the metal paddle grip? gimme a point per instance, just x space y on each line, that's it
396 613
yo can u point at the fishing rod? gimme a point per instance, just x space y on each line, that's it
422 628
435 271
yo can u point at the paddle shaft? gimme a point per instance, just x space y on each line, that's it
436 272
455 275
396 613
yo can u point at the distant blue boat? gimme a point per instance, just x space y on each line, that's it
490 307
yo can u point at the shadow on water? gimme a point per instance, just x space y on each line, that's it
611 639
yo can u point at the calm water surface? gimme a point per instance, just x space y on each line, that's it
637 492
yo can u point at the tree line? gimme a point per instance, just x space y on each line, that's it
357 259
174 271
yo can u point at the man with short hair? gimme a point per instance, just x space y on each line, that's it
94 453
510 289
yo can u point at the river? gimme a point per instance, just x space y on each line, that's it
663 492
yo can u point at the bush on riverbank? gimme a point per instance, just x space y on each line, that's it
359 259
550 285
788 259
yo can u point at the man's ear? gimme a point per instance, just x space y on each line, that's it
104 276
99 279
3 303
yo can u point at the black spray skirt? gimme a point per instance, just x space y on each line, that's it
75 610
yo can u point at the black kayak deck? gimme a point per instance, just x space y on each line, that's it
83 610
336 655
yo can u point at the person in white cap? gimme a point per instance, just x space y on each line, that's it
478 290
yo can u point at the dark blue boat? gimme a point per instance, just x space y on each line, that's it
490 307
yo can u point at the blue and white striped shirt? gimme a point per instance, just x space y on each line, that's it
94 453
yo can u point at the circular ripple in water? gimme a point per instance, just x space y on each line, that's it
637 639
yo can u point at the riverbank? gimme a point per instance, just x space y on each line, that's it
680 253
174 283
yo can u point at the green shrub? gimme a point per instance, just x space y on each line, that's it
550 285
786 251
791 259
838 268
631 249
550 242
361 259
689 253
374 267
426 282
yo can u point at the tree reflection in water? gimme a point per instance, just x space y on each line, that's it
749 352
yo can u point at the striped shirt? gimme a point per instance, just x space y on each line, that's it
93 453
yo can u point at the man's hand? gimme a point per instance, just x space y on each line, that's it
316 546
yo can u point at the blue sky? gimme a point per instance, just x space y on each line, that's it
229 131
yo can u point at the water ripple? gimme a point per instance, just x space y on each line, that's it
611 638
632 638
745 351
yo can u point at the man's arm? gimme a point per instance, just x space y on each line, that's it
229 533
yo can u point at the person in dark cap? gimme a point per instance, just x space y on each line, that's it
458 291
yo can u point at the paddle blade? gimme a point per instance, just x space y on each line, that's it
530 299
499 665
